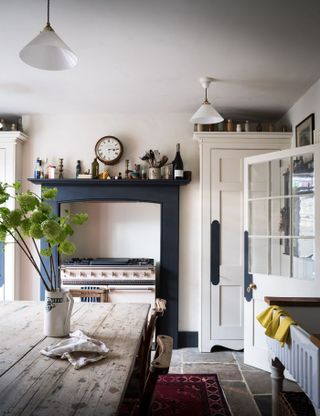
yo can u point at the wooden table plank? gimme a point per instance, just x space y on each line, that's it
21 329
83 318
38 385
123 350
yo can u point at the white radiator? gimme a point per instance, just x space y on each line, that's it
301 358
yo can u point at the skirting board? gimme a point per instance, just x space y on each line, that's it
187 339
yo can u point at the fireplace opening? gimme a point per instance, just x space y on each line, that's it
118 250
117 229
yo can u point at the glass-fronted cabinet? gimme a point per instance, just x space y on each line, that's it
282 239
281 213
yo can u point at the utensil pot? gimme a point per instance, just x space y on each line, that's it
154 173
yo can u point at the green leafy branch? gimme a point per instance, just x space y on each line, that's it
33 219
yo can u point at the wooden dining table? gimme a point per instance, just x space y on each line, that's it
34 384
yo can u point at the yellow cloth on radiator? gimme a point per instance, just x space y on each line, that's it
276 328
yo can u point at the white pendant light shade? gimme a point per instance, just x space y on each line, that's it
206 113
48 51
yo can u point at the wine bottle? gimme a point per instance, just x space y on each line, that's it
95 169
178 164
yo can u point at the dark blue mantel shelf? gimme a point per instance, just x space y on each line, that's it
164 192
110 182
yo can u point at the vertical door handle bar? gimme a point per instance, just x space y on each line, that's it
215 253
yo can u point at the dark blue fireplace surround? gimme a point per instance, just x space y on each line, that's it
163 192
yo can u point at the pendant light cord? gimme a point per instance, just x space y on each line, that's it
206 96
48 13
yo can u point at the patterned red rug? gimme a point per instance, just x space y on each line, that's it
189 395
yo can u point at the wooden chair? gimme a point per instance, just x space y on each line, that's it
159 365
146 345
90 295
142 363
142 405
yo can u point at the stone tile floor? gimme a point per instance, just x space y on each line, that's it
247 389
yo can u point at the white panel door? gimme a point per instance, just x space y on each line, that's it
221 265
283 248
226 206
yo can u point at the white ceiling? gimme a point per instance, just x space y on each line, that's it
147 55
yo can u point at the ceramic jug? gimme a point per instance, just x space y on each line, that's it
57 314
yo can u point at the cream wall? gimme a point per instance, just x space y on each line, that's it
305 105
73 137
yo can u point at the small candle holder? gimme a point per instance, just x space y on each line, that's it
126 173
61 168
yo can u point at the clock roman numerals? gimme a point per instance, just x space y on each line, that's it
109 150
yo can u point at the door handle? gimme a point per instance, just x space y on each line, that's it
246 275
215 253
251 287
132 289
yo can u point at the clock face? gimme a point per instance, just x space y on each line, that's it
109 150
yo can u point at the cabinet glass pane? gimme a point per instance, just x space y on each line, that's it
303 174
303 215
258 255
259 180
280 216
258 217
303 258
303 248
280 257
280 177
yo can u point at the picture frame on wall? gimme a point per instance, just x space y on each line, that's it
304 131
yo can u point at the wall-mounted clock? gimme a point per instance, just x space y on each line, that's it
109 150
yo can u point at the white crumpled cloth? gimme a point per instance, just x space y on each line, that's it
79 349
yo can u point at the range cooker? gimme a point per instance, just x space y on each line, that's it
126 279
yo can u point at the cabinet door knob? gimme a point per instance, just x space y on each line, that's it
251 287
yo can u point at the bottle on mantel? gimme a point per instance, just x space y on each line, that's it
38 169
36 172
95 169
178 164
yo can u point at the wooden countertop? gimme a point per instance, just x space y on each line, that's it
315 339
289 301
